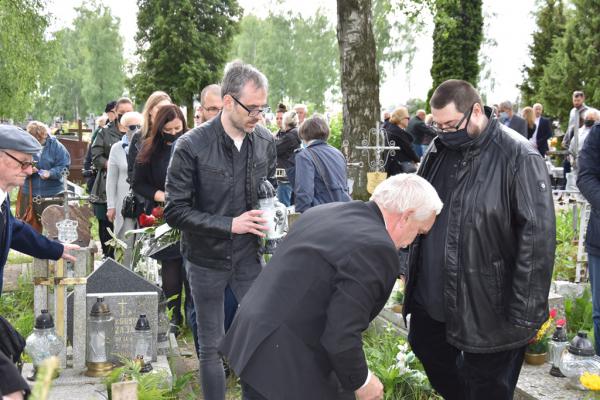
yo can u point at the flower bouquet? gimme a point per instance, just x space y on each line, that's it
156 239
537 348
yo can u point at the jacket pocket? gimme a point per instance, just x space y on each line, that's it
494 278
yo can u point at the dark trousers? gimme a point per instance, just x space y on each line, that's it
458 375
103 225
248 392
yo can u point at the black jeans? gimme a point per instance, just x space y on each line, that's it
458 375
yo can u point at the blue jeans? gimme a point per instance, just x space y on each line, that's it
284 193
594 271
208 290
418 149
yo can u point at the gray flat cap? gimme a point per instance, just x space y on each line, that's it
15 138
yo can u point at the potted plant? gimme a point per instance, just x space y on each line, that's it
398 301
537 348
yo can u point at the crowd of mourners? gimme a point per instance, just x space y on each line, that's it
297 333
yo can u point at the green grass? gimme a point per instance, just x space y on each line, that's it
17 307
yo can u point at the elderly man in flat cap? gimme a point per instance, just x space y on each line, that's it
16 153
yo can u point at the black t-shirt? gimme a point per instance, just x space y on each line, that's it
431 268
244 246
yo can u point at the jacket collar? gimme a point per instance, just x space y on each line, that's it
227 140
375 209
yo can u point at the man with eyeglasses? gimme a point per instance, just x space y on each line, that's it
17 148
109 135
210 103
477 284
212 197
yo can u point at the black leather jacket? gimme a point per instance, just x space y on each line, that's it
200 185
500 242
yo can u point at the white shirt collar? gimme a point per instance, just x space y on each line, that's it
2 196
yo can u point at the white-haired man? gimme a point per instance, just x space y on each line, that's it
298 331
301 111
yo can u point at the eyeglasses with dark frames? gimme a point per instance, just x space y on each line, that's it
212 109
436 127
252 113
133 127
24 164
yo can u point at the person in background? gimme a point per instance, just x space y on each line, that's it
155 101
588 182
150 174
320 173
197 117
421 132
281 109
529 116
301 111
47 179
210 102
590 117
117 186
89 172
101 146
405 159
512 120
543 130
287 142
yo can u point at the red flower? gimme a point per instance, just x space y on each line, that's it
146 220
553 313
561 322
158 212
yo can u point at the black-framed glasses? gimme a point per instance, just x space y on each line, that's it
133 127
252 113
438 129
24 164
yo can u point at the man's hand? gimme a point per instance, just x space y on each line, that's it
249 222
110 214
66 248
159 196
373 390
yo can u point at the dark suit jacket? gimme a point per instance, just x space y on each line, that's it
297 333
20 236
420 132
544 133
518 124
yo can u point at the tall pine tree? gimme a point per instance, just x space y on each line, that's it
183 46
457 38
574 63
550 20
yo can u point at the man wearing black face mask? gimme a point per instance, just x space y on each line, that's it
101 146
477 284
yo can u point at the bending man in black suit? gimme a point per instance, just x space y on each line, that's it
297 333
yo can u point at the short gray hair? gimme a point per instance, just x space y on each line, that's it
592 112
403 192
237 75
506 104
302 106
214 89
290 119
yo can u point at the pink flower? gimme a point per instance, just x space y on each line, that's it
553 313
561 322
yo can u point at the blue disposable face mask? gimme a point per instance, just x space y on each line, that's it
503 116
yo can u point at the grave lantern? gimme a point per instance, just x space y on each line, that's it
579 359
100 337
142 343
557 345
275 214
43 342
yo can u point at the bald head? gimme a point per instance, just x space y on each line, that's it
211 103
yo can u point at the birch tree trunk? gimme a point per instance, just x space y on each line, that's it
360 84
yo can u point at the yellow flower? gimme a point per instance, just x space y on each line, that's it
590 381
543 330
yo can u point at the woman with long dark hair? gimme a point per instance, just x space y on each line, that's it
149 175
